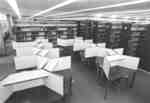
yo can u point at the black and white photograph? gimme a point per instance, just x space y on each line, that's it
74 51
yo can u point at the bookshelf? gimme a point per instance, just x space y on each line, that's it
85 29
29 32
103 32
115 35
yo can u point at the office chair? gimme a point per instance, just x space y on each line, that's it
117 74
99 65
83 59
119 67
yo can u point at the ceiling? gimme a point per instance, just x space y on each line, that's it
78 8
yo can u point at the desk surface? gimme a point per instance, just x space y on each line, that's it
24 76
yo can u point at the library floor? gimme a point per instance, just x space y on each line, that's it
86 90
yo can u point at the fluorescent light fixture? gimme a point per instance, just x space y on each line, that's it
98 15
14 6
126 17
54 7
113 16
103 7
125 13
75 15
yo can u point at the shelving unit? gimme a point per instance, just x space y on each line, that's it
85 29
115 35
135 39
29 32
102 31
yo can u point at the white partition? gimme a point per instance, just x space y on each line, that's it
41 40
22 44
24 51
120 60
82 45
88 41
78 46
101 45
102 52
130 62
14 45
110 52
58 64
78 38
56 83
25 62
91 52
95 52
88 45
65 42
110 61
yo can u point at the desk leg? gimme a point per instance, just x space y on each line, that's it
107 89
132 80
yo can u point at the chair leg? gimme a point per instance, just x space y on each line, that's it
97 77
106 90
132 80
